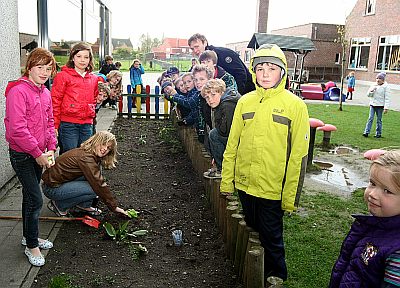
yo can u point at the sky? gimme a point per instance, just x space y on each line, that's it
221 21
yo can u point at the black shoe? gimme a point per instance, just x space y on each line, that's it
365 134
377 136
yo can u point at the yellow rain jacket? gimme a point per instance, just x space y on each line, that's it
266 153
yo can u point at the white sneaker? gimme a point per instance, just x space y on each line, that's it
34 260
43 243
212 174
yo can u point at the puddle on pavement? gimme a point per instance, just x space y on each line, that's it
342 150
338 176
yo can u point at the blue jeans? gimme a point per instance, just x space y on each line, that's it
266 217
217 147
72 193
71 135
379 112
29 174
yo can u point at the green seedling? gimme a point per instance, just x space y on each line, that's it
137 250
121 233
142 140
118 234
132 213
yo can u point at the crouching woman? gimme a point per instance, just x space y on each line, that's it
76 178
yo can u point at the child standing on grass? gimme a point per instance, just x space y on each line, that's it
370 253
266 155
74 94
30 133
351 83
379 104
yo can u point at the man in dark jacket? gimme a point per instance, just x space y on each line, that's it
227 59
223 102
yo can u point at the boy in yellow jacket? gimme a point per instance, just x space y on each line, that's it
266 155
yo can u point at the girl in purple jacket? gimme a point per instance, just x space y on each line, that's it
370 254
30 133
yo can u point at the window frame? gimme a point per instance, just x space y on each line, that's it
391 43
361 46
370 7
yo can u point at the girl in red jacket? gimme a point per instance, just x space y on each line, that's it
74 95
32 142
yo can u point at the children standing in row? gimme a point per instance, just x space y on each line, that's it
74 94
30 133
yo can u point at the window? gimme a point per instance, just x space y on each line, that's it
92 33
247 56
359 53
389 53
370 7
27 17
63 37
337 58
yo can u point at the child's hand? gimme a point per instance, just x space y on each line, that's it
121 211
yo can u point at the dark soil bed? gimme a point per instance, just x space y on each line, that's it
155 177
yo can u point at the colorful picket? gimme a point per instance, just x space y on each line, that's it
147 110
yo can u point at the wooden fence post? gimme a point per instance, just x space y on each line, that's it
236 218
229 211
255 267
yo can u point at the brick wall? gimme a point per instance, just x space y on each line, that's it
384 22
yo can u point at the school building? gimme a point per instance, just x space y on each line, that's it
372 43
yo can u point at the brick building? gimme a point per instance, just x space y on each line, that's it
373 34
324 62
172 48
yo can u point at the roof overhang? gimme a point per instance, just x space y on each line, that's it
299 45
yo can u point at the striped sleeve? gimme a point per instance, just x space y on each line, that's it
392 270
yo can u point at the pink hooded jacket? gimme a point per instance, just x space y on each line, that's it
29 118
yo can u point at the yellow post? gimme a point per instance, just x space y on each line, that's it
138 99
166 108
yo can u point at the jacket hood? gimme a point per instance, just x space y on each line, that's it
269 51
24 81
230 95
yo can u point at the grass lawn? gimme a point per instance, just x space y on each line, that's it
314 234
350 124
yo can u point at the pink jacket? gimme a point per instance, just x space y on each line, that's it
29 118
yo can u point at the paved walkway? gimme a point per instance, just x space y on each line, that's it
360 98
15 270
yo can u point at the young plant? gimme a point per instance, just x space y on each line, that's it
121 233
132 213
142 140
136 250
118 234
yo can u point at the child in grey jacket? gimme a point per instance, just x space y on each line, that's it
379 104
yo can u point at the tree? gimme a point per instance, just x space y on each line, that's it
147 43
341 30
122 53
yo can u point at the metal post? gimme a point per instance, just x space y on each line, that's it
43 24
